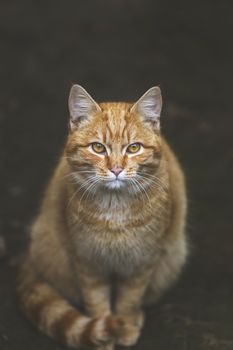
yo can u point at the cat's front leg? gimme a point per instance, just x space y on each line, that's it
95 290
128 306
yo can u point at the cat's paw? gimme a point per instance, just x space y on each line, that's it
129 335
100 333
106 347
131 329
105 331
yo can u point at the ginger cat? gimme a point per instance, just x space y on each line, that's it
110 234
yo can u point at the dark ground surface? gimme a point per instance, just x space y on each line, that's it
118 49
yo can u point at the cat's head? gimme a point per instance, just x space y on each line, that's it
114 145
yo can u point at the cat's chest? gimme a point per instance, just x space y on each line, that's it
117 219
119 252
117 237
108 216
114 221
116 242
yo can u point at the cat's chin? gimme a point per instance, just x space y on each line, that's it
114 184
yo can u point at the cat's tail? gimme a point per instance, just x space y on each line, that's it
57 318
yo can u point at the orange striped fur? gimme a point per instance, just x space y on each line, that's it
109 221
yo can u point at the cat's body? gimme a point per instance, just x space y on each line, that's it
97 232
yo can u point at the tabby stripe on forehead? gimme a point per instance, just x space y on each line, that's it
122 116
125 131
110 132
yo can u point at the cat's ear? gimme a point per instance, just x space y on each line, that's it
149 106
81 106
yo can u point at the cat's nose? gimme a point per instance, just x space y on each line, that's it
116 170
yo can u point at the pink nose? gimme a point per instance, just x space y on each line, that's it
116 170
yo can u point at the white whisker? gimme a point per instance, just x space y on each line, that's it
88 189
84 184
152 179
144 191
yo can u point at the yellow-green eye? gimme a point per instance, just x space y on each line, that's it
134 147
98 147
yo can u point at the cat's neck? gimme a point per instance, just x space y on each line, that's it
102 200
113 200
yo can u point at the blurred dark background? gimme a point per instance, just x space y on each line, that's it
117 50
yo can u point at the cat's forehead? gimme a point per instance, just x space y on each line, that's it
116 123
116 119
115 109
116 105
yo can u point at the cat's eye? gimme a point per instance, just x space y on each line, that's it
133 148
98 148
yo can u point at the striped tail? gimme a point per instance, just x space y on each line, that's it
57 318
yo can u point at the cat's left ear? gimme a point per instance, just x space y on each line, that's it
81 106
149 106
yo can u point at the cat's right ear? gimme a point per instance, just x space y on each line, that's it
81 106
149 107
